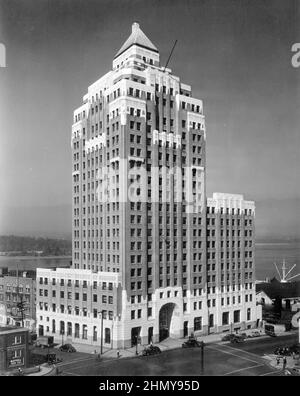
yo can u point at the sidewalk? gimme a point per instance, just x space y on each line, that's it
88 352
37 371
45 369
167 344
290 362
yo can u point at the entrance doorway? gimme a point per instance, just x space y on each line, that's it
211 320
150 335
135 335
185 328
41 330
169 321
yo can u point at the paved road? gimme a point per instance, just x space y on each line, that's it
220 359
267 345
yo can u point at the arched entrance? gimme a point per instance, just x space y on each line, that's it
169 321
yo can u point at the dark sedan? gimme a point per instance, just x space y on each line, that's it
192 343
67 348
228 337
151 350
237 339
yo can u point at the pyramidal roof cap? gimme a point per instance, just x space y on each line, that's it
139 38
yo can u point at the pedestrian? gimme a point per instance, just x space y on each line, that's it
278 360
284 363
118 353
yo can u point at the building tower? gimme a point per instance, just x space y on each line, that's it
139 138
139 209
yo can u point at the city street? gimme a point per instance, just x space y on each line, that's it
219 359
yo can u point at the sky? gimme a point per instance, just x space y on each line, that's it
236 55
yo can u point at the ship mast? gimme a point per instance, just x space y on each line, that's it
283 275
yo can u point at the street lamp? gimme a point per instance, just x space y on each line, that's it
208 320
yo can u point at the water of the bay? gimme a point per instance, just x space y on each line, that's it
266 254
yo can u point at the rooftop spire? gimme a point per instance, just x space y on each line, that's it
137 37
135 27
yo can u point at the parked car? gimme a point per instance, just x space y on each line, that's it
228 337
67 348
192 343
151 350
243 335
237 339
255 334
45 342
51 358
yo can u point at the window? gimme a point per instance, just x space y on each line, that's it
236 316
95 335
17 340
17 353
249 314
69 329
107 336
84 332
225 318
76 330
198 323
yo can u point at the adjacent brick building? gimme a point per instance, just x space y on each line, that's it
15 289
14 352
231 294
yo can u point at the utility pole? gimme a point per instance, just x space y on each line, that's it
202 357
20 303
62 332
208 320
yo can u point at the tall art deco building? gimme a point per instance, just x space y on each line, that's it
143 244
